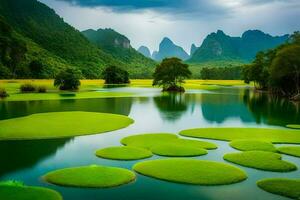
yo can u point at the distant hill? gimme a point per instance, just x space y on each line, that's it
145 51
119 47
168 49
219 46
193 49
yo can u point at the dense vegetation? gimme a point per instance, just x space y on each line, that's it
277 70
68 79
223 73
170 74
115 75
36 43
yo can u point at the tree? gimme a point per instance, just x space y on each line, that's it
68 79
36 69
115 75
170 74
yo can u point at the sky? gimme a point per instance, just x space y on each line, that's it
146 22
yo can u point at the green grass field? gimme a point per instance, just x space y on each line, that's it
293 126
16 191
123 153
290 150
288 136
281 186
89 89
61 124
191 171
262 160
94 176
252 145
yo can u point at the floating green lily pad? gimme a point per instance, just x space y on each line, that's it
229 134
61 124
252 145
154 139
94 176
262 160
294 126
124 153
174 150
281 186
10 192
290 150
191 171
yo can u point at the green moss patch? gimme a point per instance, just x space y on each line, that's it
154 139
262 160
290 150
284 187
94 176
228 134
61 124
252 145
17 192
294 126
191 171
175 150
124 153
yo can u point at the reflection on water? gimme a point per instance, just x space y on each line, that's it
17 155
29 160
271 110
22 108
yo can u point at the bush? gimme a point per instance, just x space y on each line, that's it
27 88
115 75
3 93
68 79
41 89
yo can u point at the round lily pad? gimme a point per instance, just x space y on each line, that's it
290 150
8 192
281 186
61 124
262 160
175 150
94 176
252 145
191 171
151 140
124 153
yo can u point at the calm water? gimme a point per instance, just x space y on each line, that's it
29 160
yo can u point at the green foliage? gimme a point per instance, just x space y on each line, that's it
277 70
263 160
41 89
224 73
36 69
170 74
68 79
94 176
191 171
115 75
27 88
3 93
123 153
281 186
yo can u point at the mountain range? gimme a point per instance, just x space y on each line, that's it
221 47
48 39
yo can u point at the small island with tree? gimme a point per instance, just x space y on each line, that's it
170 74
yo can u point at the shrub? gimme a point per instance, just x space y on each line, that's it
68 79
41 89
3 93
115 75
27 87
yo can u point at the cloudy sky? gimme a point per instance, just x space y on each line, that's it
146 22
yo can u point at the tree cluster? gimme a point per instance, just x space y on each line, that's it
277 70
221 73
115 75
